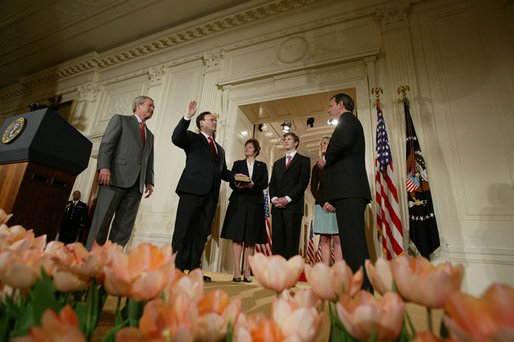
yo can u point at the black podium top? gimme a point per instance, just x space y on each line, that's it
44 137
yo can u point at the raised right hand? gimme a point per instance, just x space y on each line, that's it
191 109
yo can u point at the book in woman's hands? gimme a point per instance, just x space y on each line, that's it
242 179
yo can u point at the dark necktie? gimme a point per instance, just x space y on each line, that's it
288 161
143 132
213 148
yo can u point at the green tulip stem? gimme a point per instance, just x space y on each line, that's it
411 326
118 318
429 318
90 302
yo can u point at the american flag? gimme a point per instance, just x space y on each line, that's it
332 254
310 247
266 248
319 257
389 224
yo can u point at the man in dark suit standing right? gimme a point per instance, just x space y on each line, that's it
346 181
289 179
198 187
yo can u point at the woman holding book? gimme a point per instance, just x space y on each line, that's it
244 222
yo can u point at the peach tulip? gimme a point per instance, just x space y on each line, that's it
159 322
421 282
18 238
55 327
490 318
304 298
69 282
295 322
21 268
276 273
257 328
216 301
380 275
363 315
106 253
190 285
330 282
142 274
4 217
215 312
74 266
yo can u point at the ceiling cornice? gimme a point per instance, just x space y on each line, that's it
153 44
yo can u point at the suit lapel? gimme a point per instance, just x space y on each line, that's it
293 162
256 169
149 139
243 168
221 155
282 164
204 142
136 130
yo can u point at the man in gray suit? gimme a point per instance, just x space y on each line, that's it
125 166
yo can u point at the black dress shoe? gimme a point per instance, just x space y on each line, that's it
206 279
247 280
236 280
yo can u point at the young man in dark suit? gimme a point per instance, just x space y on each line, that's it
198 187
125 166
289 179
346 181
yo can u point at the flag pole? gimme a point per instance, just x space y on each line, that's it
377 91
403 91
388 222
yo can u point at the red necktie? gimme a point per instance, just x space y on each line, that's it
143 132
288 161
213 148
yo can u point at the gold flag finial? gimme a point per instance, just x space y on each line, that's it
403 90
377 92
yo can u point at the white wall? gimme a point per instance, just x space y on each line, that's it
456 56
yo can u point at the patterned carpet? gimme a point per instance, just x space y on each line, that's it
256 298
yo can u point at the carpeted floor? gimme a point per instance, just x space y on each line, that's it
256 298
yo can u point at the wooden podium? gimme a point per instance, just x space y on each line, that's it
40 156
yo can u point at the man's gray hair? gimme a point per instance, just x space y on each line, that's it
140 99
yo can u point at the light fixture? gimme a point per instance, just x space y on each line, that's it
332 122
286 126
36 106
260 127
310 122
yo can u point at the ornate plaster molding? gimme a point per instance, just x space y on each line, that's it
292 49
74 17
89 91
395 15
213 59
96 61
156 74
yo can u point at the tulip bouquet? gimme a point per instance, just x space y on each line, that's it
357 315
36 277
53 292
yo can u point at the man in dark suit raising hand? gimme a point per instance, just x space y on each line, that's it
198 187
